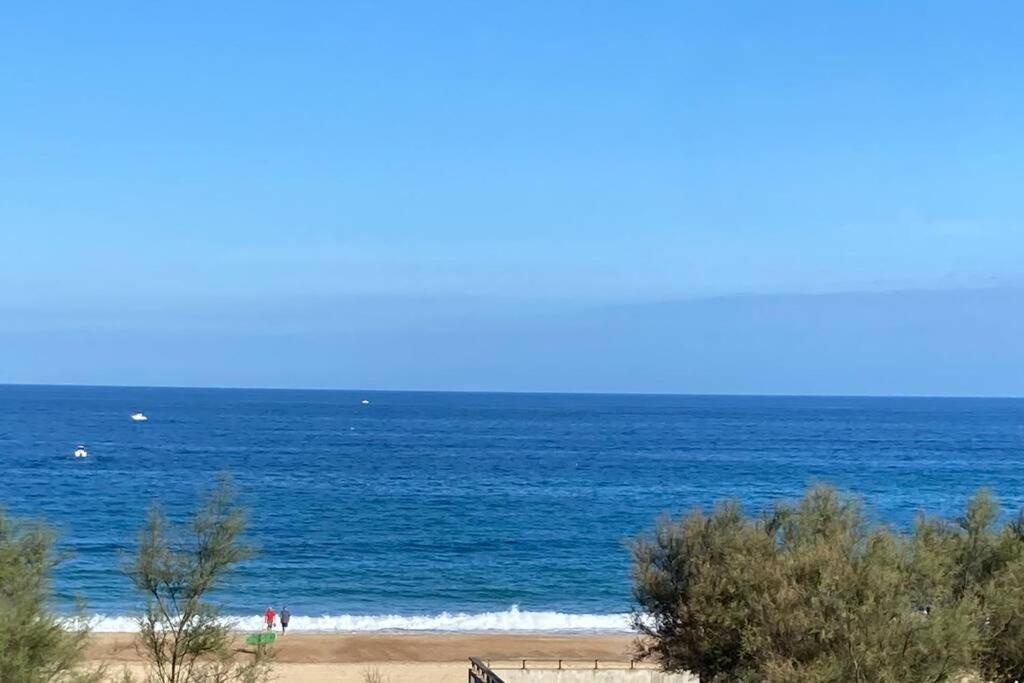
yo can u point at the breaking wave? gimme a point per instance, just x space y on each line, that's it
510 620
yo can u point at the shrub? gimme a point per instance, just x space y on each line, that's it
35 645
812 593
182 634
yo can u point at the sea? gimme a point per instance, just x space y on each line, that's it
399 511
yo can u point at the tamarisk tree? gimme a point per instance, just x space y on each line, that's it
36 646
814 593
181 632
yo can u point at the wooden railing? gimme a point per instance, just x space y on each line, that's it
577 663
481 673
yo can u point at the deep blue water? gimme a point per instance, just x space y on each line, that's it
420 503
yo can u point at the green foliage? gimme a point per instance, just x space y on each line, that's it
813 594
692 583
180 632
983 566
35 645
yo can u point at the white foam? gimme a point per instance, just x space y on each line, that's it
510 620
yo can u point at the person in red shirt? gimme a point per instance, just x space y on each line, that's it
270 616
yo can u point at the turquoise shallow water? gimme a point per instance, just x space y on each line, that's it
417 507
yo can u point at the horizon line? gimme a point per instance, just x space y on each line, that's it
1007 397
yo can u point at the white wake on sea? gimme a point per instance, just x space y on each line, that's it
510 620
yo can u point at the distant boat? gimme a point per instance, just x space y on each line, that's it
80 452
365 402
139 417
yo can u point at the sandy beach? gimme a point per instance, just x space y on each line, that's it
402 658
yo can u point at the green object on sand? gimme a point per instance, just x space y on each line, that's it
261 638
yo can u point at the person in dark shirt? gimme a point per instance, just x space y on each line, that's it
285 617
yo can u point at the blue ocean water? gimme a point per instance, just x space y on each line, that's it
405 512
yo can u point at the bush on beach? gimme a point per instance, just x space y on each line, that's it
812 593
36 646
181 633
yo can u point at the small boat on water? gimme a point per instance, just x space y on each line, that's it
139 417
365 402
80 452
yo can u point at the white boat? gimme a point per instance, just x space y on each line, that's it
139 417
80 452
365 402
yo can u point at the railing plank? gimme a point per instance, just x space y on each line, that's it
481 673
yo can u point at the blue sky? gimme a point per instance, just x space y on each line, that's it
246 168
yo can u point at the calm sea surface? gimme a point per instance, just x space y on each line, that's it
444 510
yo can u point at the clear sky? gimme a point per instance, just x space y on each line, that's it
227 172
